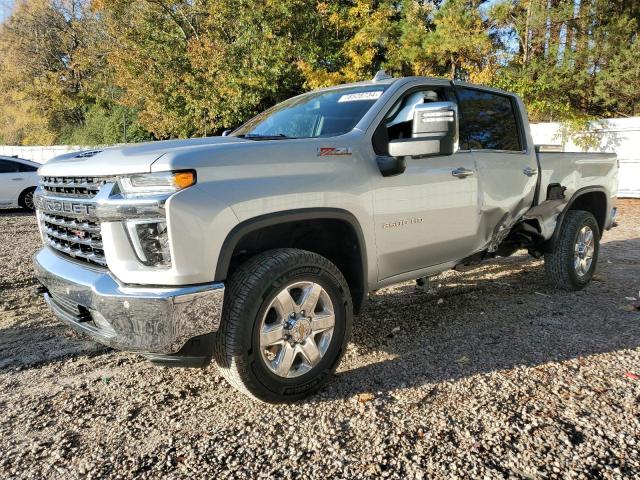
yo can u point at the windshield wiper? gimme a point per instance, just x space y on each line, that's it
257 136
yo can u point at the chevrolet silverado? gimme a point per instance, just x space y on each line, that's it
255 249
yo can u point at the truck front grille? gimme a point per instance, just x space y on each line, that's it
77 238
74 187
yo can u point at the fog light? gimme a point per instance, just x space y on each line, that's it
150 240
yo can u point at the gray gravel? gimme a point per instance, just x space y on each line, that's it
492 374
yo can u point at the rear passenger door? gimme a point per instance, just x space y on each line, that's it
496 134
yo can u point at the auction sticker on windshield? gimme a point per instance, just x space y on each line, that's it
354 97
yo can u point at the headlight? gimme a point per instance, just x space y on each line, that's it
145 184
150 240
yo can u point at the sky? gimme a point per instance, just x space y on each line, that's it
5 9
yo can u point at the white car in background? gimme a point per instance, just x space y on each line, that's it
18 181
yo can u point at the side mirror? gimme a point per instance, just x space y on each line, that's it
435 132
227 132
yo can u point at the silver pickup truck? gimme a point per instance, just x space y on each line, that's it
255 249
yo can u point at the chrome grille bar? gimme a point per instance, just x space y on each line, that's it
95 244
73 187
79 238
76 252
61 221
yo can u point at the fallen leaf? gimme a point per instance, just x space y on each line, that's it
463 360
632 376
440 301
365 397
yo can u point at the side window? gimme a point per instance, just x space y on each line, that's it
488 121
8 167
398 122
23 167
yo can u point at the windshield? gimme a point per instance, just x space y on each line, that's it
317 114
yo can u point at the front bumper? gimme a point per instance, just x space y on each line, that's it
133 318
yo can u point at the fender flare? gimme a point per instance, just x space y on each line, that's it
577 194
296 215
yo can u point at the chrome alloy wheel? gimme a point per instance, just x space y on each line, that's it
583 251
296 329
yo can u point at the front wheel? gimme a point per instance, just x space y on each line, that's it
572 263
286 323
26 199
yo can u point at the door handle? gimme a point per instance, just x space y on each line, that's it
530 172
17 179
461 172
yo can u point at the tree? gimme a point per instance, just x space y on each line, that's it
80 70
53 71
573 60
196 67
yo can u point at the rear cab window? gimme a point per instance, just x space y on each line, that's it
488 121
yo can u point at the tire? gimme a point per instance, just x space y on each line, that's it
251 309
567 268
26 199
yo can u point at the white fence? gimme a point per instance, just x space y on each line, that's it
38 154
620 135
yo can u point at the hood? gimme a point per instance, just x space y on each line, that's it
124 159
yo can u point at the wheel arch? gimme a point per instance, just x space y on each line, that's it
23 193
592 199
331 232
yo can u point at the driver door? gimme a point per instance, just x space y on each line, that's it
429 214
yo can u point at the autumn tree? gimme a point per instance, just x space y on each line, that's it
196 67
106 71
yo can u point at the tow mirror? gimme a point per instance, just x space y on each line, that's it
435 132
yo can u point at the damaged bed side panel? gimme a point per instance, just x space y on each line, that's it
564 174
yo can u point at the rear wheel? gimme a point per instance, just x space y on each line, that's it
286 323
572 263
26 199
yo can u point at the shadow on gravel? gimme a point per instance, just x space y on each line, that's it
28 346
508 318
15 212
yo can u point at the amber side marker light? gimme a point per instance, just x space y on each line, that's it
184 179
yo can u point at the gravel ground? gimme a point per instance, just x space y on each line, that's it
492 374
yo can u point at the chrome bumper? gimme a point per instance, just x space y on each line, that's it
134 318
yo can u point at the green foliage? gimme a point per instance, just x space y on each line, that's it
105 126
75 71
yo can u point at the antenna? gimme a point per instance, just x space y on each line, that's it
381 75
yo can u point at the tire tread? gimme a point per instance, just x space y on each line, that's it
556 263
